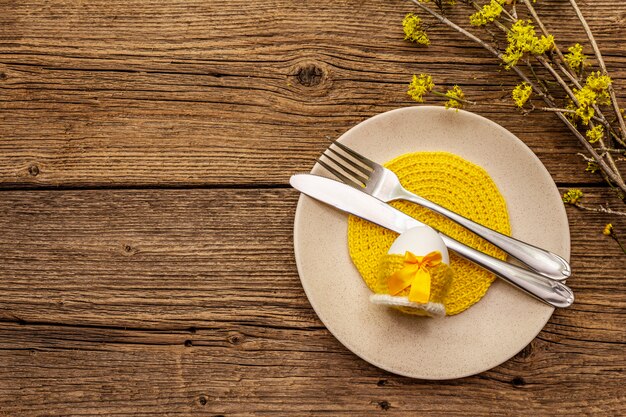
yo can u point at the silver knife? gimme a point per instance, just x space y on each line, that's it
360 204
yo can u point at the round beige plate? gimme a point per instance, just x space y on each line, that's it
488 333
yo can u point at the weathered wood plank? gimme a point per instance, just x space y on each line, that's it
208 340
190 258
241 370
181 302
135 302
208 93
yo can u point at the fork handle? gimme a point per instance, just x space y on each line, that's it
542 261
544 289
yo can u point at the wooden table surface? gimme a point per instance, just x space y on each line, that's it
146 254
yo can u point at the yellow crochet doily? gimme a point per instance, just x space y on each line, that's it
455 184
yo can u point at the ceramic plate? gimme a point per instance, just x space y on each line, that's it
487 334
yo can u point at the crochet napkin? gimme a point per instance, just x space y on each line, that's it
451 182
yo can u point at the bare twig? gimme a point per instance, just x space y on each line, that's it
600 209
618 151
559 110
615 238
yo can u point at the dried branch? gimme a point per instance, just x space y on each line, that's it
600 209
602 65
567 73
614 177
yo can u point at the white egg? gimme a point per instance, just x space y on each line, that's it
420 241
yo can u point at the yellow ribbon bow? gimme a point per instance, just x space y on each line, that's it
416 275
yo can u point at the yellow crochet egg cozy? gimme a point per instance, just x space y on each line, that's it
440 276
457 185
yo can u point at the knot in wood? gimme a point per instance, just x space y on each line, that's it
3 75
310 75
384 405
33 170
518 382
236 339
128 250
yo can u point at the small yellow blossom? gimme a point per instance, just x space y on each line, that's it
521 94
413 30
594 92
608 230
420 86
587 98
490 12
575 58
592 167
572 196
572 117
595 134
545 44
523 39
455 94
598 82
600 85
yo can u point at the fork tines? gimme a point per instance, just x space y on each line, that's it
355 168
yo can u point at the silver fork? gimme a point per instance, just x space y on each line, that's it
380 182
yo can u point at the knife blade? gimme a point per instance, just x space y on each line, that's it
351 200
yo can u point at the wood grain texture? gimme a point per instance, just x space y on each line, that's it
133 302
103 93
146 254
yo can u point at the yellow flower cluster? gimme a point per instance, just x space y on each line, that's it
593 92
595 134
521 94
420 86
592 167
413 30
572 196
489 12
523 39
586 99
608 230
455 94
599 83
575 58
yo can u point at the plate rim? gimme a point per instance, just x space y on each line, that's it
348 344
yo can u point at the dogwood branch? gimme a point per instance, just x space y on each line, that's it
602 65
548 99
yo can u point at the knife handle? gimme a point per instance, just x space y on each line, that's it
544 289
542 261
